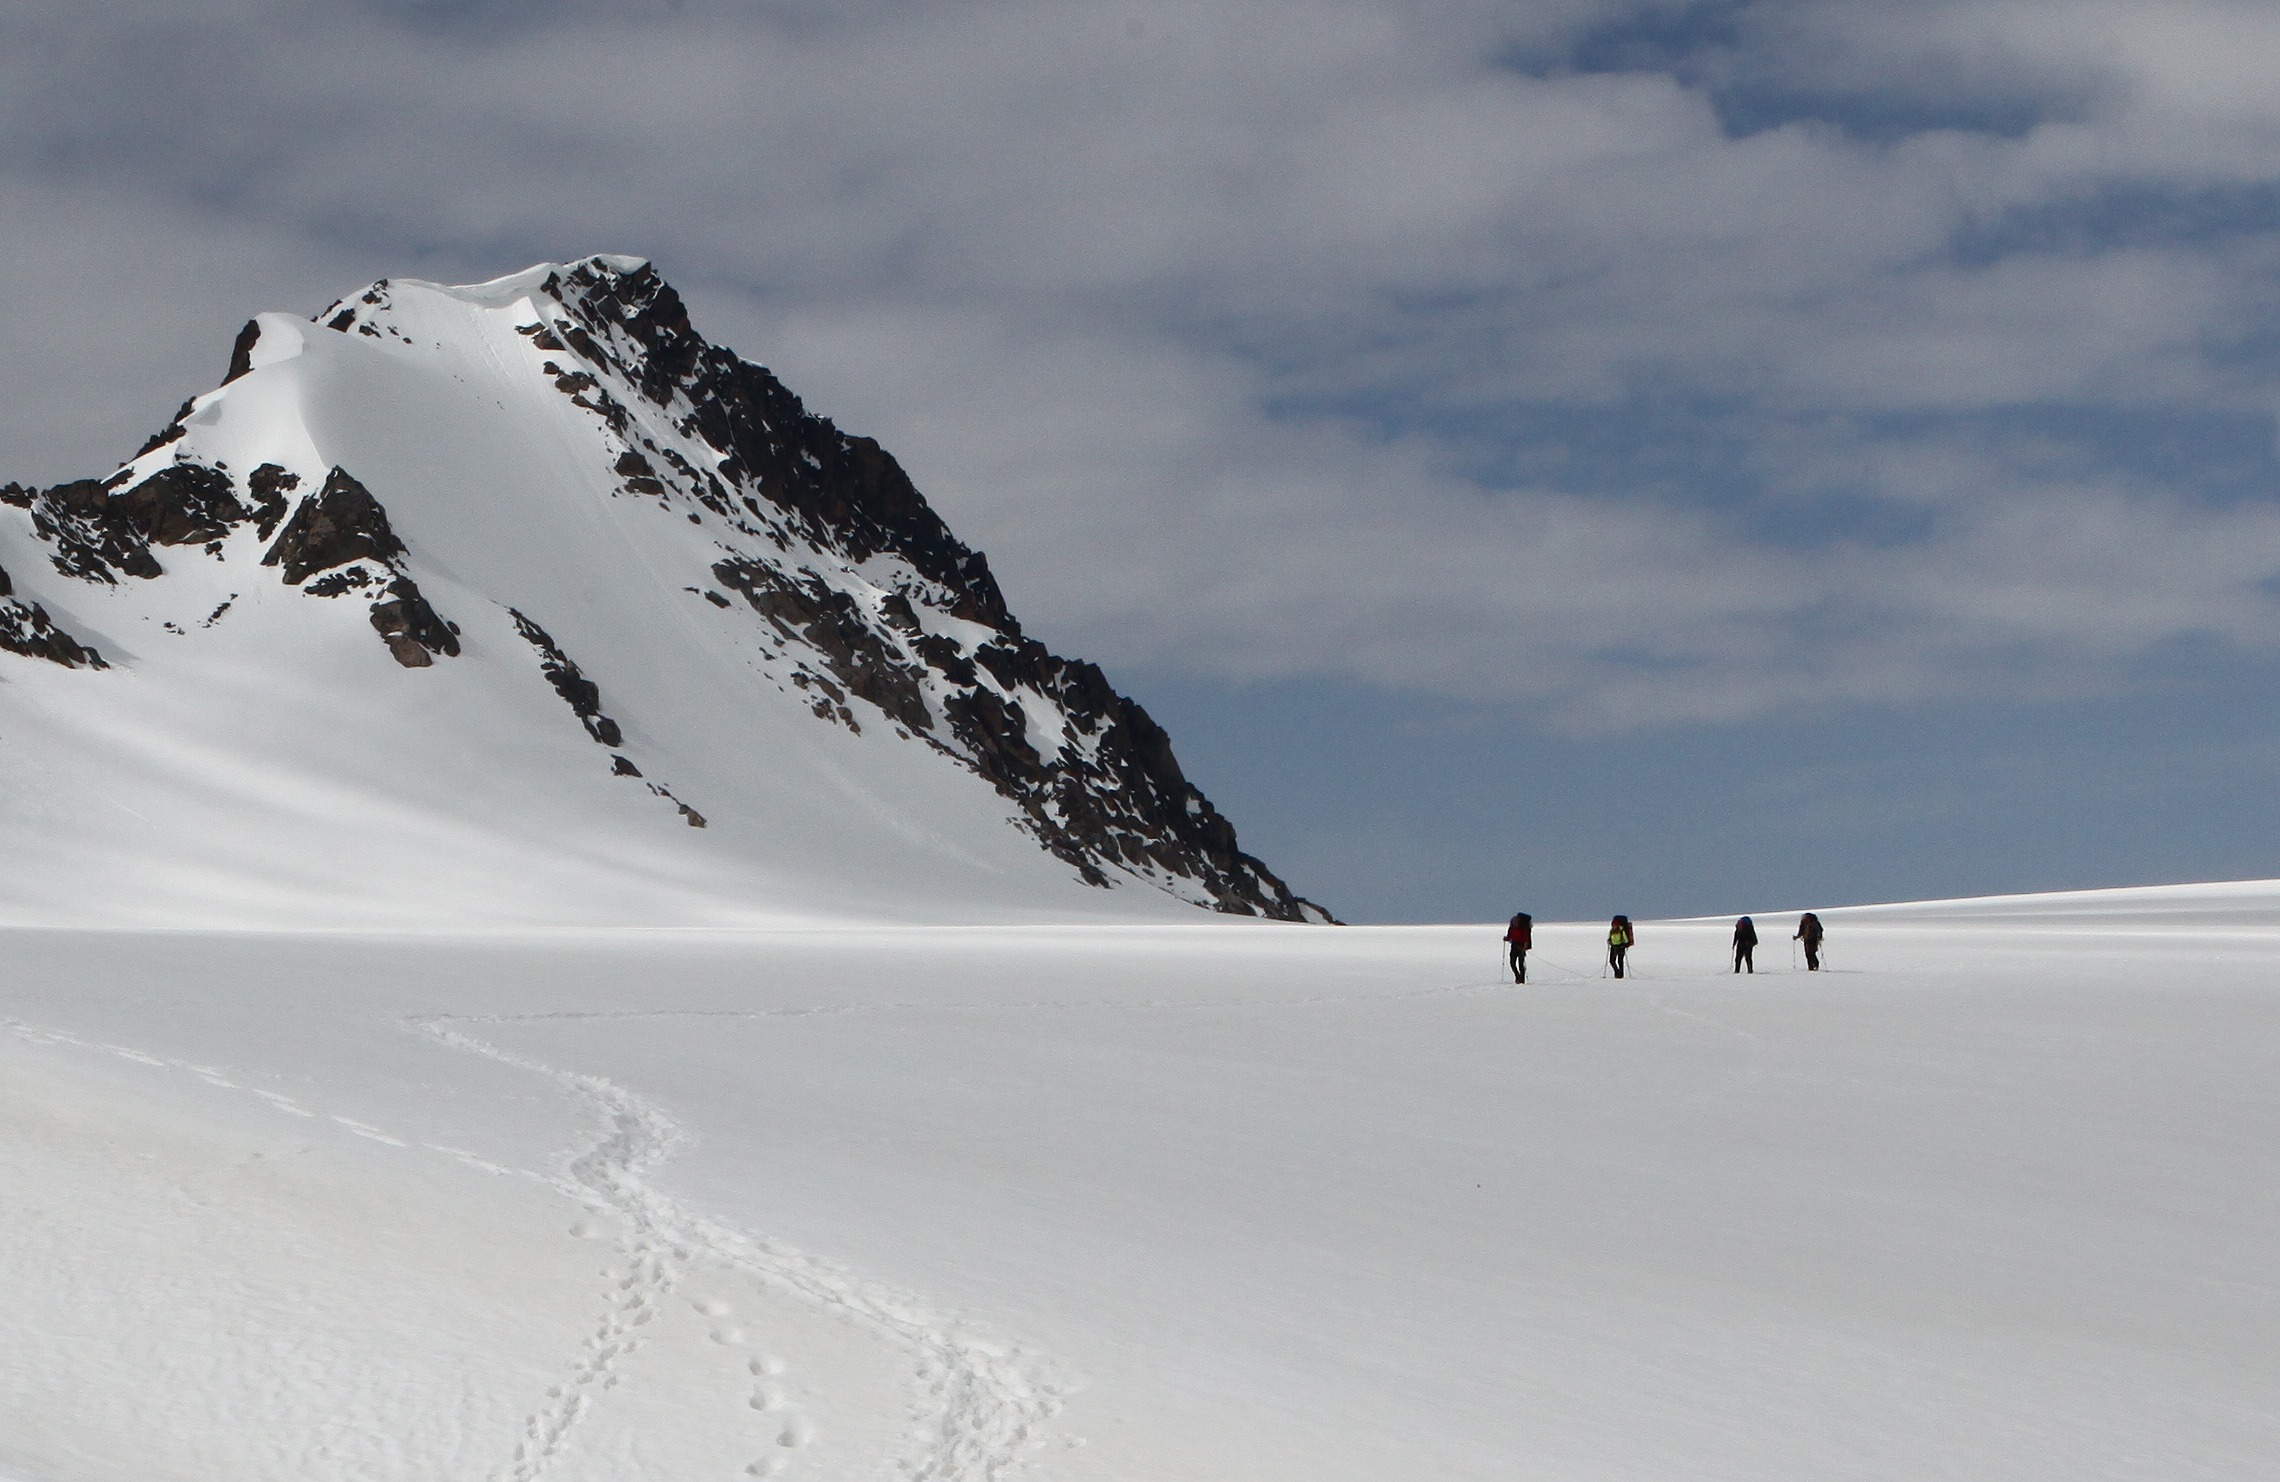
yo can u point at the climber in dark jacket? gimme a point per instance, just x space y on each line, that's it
1745 945
1619 939
1809 932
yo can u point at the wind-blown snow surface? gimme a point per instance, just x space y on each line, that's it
1993 1197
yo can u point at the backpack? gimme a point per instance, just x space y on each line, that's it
1619 932
1521 932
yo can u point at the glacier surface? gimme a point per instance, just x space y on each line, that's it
1989 1198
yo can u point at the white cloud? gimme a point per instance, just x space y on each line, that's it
1197 316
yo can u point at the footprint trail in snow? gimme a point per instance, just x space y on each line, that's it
983 1405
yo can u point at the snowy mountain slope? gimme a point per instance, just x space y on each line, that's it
522 602
1147 1203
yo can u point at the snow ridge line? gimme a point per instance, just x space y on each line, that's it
984 1402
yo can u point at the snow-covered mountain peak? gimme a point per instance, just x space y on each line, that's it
563 518
534 279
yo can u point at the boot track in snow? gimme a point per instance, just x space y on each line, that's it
982 1406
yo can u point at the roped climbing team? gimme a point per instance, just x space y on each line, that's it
1520 935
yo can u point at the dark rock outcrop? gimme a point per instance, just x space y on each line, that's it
340 523
241 353
171 432
581 694
183 504
1118 795
689 815
25 628
87 531
341 529
269 485
831 623
98 534
410 628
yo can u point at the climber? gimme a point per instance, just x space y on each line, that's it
1809 932
1518 938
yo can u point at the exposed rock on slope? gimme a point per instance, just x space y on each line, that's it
97 533
343 531
581 694
26 629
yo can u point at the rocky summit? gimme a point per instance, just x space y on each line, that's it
552 485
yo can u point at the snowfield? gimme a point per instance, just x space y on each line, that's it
1993 1197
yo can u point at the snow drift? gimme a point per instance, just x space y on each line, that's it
522 602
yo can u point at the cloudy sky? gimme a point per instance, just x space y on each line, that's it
1584 454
